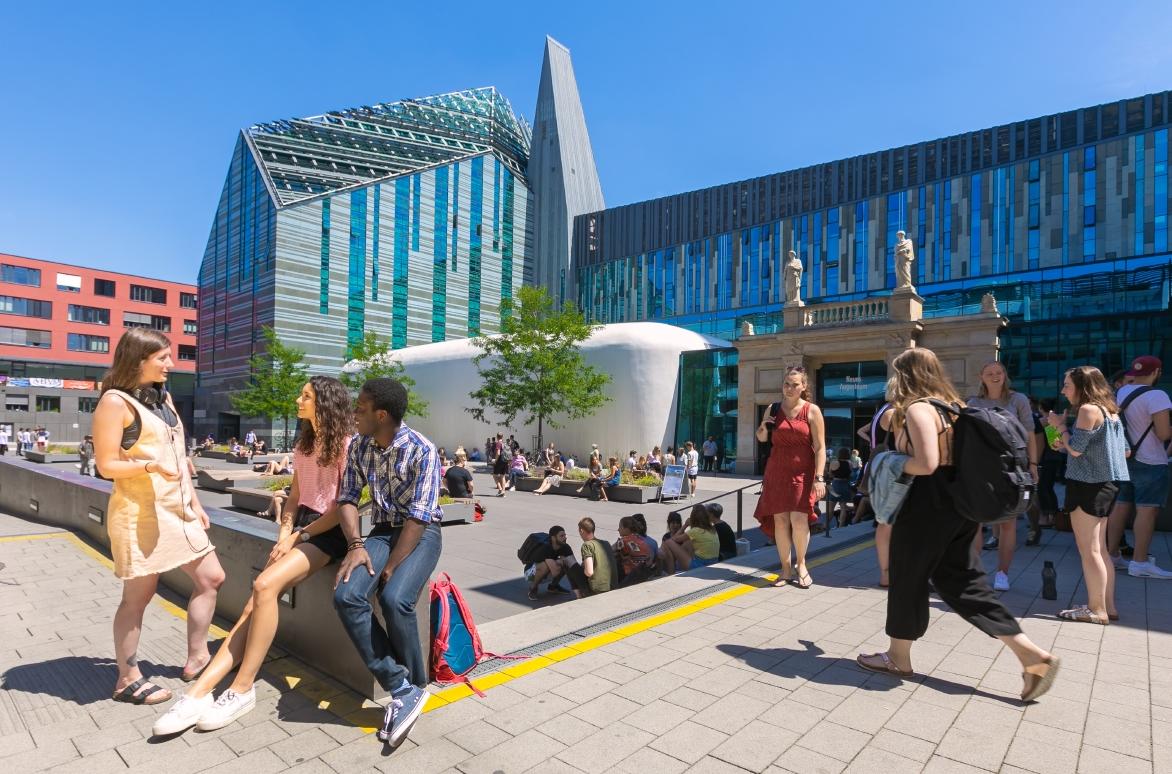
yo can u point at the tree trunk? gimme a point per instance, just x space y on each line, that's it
285 442
540 440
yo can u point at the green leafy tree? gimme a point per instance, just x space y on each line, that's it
278 374
535 368
378 361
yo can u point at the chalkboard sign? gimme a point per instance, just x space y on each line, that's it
673 481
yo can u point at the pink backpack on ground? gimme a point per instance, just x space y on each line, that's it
455 643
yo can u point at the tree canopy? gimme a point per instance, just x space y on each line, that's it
534 369
378 361
277 375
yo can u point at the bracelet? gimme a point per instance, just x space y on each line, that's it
352 546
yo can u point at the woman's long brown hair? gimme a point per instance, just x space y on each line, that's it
335 421
135 346
918 374
1090 386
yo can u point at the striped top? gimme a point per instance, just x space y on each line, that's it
317 486
1102 453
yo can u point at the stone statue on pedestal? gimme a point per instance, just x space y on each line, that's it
989 304
793 280
904 256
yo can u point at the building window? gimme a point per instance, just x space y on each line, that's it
188 300
186 352
80 342
51 403
148 294
87 405
70 283
153 321
16 403
89 314
20 275
104 287
190 327
26 307
23 337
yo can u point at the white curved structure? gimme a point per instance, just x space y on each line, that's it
642 358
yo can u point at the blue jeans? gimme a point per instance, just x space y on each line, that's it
392 655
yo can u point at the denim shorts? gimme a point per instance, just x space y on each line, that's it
1148 486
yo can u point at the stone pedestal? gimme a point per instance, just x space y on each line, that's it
906 306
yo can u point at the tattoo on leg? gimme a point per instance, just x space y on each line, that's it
132 660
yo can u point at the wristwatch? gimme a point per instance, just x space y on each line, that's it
820 479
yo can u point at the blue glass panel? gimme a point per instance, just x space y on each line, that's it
324 295
402 257
475 245
374 245
439 255
974 226
1139 195
356 297
416 197
507 237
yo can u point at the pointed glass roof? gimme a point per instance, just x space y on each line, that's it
304 158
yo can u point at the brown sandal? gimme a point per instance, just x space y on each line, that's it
881 663
1037 684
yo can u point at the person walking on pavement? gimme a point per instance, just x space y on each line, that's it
932 543
793 481
402 471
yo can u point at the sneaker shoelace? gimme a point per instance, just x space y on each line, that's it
226 698
389 717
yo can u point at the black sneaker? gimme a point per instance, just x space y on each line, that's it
556 588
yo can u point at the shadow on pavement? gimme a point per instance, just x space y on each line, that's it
78 679
813 665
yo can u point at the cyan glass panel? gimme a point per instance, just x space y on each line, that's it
356 298
475 245
402 267
324 293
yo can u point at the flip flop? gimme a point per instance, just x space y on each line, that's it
130 695
782 582
881 663
809 581
1035 684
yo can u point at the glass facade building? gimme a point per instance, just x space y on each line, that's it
407 219
1063 217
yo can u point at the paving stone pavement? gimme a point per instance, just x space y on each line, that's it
762 682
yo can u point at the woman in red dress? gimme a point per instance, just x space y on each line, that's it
792 484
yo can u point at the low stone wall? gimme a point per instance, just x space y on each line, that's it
308 627
623 493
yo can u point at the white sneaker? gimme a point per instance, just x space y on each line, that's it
1120 563
184 714
1000 581
228 708
1147 569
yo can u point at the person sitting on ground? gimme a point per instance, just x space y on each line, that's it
675 554
724 533
281 467
518 467
705 543
598 560
641 531
611 479
459 480
634 554
551 563
475 455
675 523
553 476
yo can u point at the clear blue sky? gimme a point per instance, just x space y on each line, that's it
119 118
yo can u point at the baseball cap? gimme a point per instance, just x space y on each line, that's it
1145 365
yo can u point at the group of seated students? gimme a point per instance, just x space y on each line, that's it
633 558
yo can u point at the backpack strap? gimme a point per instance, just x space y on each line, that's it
1122 413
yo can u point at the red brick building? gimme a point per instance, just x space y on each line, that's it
59 325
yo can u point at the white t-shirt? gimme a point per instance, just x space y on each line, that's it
693 463
4 437
1139 415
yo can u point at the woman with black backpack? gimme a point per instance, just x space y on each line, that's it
931 541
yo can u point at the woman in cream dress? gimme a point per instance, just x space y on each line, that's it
154 519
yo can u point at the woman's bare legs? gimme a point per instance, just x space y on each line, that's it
676 556
883 550
136 595
290 569
800 528
1088 536
206 578
784 539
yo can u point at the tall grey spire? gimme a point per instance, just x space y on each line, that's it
562 173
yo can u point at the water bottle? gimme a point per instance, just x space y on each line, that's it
1049 581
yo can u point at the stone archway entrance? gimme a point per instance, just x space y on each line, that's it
847 348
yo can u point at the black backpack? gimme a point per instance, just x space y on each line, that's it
992 480
533 549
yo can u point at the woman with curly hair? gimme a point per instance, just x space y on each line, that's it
309 539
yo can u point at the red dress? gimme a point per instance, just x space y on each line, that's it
789 472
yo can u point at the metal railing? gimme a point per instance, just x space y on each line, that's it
740 493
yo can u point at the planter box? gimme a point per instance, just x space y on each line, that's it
458 512
623 493
36 456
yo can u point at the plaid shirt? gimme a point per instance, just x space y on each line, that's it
404 478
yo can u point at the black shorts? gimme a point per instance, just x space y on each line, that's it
1095 499
693 476
332 542
500 467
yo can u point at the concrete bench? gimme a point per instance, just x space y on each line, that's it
249 498
623 493
205 480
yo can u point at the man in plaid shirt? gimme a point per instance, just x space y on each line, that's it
402 470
